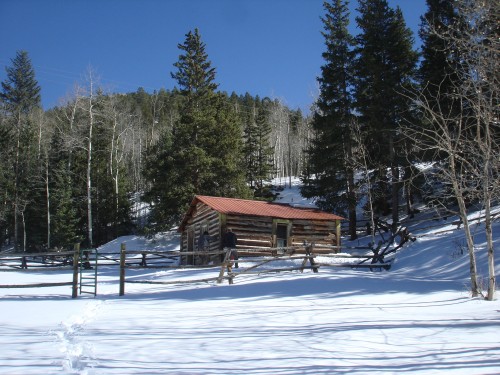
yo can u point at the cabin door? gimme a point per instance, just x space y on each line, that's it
282 233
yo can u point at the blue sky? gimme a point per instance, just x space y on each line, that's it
264 47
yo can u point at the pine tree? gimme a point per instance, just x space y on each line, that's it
65 221
248 118
264 150
203 153
195 74
331 149
5 179
20 95
20 92
438 72
257 149
385 69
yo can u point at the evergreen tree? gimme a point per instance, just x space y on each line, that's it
331 149
20 91
195 74
161 172
248 118
19 96
203 155
65 231
264 150
257 150
385 69
439 70
5 180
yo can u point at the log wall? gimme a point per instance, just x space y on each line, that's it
319 232
255 232
204 217
252 231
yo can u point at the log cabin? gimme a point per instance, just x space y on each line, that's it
258 225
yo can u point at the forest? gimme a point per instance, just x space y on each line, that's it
85 171
106 164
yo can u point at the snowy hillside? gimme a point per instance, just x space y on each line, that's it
417 318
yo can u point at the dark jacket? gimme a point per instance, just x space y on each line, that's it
230 240
204 241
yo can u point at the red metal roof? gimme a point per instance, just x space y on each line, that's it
233 206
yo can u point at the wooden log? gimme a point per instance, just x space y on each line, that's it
34 269
34 255
122 269
76 261
192 281
224 265
254 242
355 265
274 270
39 285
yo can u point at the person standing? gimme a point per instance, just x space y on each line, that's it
204 246
230 241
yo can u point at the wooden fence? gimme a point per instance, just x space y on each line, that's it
49 261
226 270
299 258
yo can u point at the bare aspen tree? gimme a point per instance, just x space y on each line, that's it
279 121
445 140
16 201
121 126
467 141
44 137
157 105
70 110
90 110
287 141
361 163
136 147
47 196
479 45
67 130
82 135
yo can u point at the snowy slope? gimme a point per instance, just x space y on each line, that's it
417 318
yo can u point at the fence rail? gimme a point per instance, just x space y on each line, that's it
50 261
308 256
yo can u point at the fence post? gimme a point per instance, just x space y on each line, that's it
122 269
224 265
76 261
311 257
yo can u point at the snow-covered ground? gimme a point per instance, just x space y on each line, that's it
417 318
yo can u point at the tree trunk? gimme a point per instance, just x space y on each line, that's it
16 184
491 253
352 204
394 186
47 196
89 167
468 235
